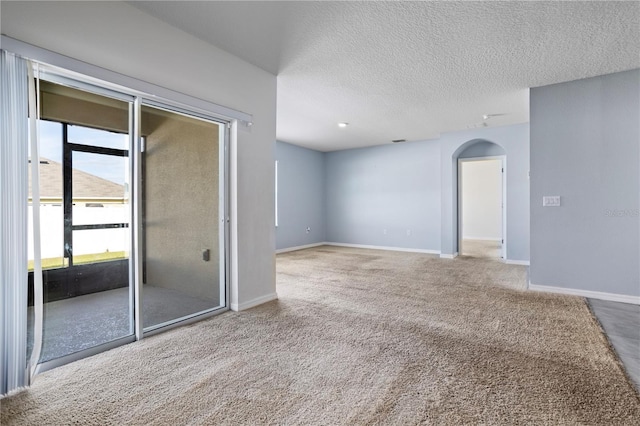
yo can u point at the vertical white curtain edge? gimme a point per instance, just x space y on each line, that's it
13 221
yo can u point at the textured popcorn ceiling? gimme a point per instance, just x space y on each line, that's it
410 70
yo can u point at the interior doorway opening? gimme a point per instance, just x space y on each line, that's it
482 207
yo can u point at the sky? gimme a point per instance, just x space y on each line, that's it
105 166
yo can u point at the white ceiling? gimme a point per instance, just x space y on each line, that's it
410 70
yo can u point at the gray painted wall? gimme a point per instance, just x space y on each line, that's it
405 195
585 138
391 187
301 194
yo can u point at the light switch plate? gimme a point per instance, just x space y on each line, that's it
551 201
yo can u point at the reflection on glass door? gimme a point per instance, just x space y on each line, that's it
85 217
183 236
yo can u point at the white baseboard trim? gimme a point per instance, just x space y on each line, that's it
410 250
482 238
613 297
254 302
517 262
306 246
448 256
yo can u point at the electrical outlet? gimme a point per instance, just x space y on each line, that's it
308 229
384 232
408 232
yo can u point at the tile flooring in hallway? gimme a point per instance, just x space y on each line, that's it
621 324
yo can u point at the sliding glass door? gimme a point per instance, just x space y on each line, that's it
132 215
85 211
182 208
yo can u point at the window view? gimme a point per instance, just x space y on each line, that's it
99 196
100 207
52 215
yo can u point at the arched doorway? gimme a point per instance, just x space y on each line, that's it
481 199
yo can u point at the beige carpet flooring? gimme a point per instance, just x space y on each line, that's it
357 337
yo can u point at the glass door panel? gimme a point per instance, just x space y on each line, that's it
85 216
183 273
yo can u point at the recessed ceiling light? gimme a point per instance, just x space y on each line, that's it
343 124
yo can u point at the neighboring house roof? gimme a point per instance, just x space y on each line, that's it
85 185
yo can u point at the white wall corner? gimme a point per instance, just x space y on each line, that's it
254 302
613 297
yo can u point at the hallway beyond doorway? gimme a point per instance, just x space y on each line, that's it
481 248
